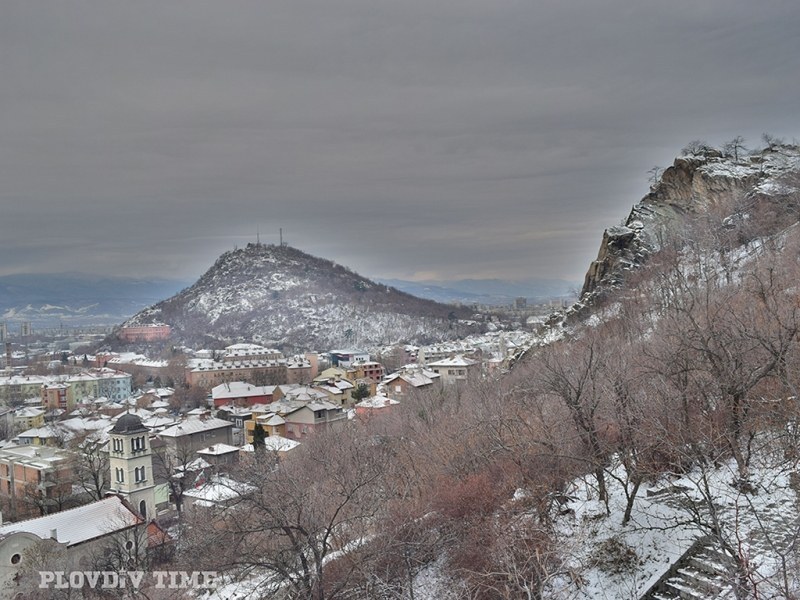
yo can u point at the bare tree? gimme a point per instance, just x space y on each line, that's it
695 147
177 467
571 373
734 147
92 469
305 519
654 175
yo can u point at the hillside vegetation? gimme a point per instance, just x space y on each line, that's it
686 368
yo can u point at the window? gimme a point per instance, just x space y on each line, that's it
117 444
137 444
120 475
139 475
15 559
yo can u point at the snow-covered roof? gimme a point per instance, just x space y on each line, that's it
456 361
218 489
79 524
41 457
377 401
28 412
414 379
218 450
39 432
303 393
192 426
240 389
82 425
238 411
322 405
274 443
271 420
142 413
159 421
198 464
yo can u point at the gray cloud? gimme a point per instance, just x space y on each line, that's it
420 138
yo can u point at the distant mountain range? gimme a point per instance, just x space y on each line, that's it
78 299
495 292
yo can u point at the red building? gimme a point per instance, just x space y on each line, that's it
145 333
239 393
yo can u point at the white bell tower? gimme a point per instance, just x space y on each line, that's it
131 462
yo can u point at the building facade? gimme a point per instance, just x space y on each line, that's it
130 460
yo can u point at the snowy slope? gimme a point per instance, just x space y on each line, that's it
281 295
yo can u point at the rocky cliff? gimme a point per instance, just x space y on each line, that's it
693 184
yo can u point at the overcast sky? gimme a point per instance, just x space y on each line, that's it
407 138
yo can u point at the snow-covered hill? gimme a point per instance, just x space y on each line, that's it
282 296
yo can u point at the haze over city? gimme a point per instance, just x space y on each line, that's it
419 140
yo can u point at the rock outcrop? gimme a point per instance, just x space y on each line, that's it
690 186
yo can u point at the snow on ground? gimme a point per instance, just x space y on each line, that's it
663 527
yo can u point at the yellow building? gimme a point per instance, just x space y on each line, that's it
28 418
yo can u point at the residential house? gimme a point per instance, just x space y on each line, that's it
265 414
219 491
33 477
249 352
196 433
219 455
299 369
346 358
408 380
112 384
235 414
57 395
455 369
83 385
273 444
28 418
18 388
312 417
47 435
375 406
240 393
209 373
371 370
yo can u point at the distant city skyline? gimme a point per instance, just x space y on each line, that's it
422 140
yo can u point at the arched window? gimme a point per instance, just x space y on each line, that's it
143 508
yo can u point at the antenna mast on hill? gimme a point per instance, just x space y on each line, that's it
258 237
281 234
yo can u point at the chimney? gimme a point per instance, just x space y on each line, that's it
54 534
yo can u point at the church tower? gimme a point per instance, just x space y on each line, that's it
131 462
